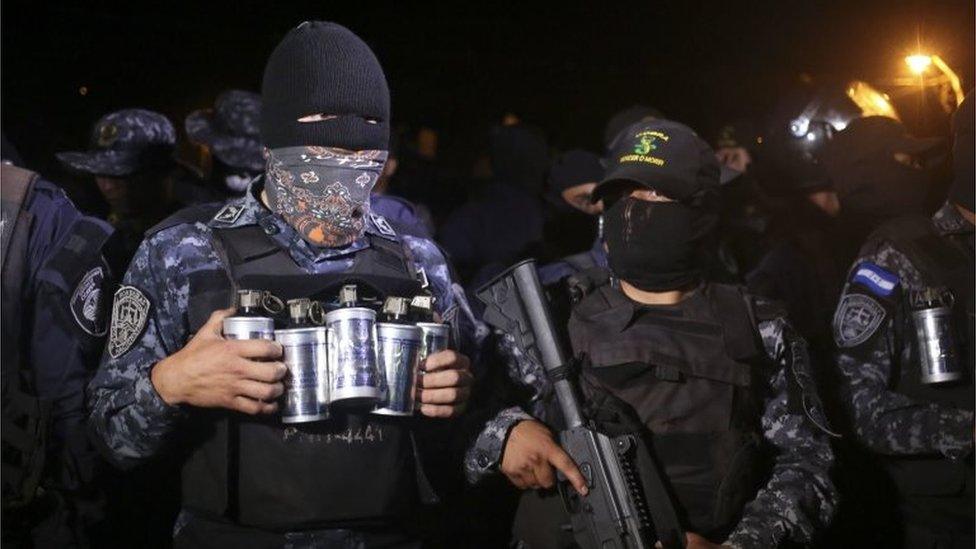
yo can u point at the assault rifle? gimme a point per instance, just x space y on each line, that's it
627 506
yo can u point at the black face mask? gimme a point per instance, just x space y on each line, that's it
655 245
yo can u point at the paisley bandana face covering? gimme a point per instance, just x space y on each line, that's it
323 192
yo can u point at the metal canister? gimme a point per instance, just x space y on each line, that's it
437 337
398 349
354 375
937 357
306 395
248 323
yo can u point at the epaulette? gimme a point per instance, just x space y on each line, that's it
200 213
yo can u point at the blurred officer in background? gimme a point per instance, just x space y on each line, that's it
230 131
131 160
904 330
55 279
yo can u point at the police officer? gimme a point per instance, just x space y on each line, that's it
131 157
904 328
572 177
169 380
54 281
506 220
718 376
230 131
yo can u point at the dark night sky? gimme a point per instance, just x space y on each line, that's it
565 67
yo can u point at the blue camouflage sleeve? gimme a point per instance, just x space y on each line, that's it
799 497
450 301
484 454
128 418
885 421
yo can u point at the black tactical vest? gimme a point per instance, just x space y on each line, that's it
354 469
25 417
694 373
941 261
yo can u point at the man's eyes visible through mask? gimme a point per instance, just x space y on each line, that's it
317 117
323 117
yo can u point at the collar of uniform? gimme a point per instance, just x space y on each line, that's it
249 210
949 221
620 310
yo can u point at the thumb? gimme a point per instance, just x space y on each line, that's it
214 327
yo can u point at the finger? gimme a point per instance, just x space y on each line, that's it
451 395
446 378
214 326
253 407
265 392
439 410
561 460
544 475
443 360
256 348
268 372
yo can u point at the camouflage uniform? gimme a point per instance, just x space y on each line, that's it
128 416
798 498
885 421
892 414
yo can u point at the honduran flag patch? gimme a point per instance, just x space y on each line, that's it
876 279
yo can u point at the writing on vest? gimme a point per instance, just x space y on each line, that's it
694 373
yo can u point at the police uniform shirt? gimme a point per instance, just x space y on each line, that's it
128 415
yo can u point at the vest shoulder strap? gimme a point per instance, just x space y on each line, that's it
735 310
934 255
200 213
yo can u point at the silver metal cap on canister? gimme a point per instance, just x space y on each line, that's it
398 349
305 354
353 372
248 327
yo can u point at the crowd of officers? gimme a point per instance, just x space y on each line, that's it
787 313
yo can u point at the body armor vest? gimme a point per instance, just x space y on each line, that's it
694 373
354 469
941 261
24 417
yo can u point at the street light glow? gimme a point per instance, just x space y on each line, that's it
918 63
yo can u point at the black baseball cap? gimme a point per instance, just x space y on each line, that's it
663 155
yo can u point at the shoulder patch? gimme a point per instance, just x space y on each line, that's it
382 225
130 311
879 281
229 213
86 302
858 316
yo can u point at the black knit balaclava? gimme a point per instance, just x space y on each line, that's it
325 123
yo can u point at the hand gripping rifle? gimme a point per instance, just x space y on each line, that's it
627 506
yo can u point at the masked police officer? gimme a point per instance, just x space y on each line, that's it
54 324
904 328
719 377
169 380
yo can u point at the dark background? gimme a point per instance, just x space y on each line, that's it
565 66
